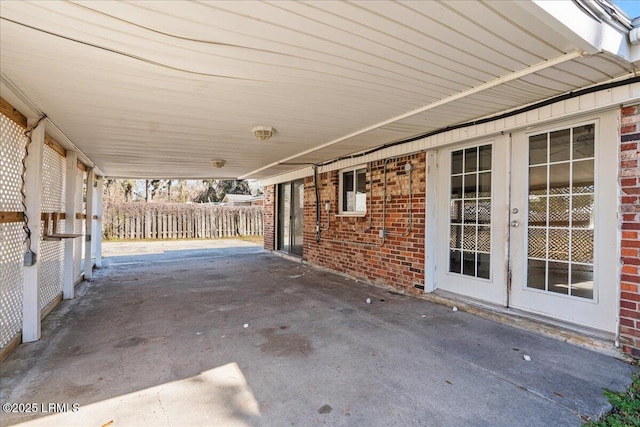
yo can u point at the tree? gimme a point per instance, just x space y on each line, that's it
216 189
118 190
209 193
230 186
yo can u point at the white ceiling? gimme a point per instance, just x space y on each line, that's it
158 89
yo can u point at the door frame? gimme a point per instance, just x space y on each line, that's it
437 224
608 127
602 311
292 228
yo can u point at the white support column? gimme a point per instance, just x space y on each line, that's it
77 261
431 223
31 326
69 224
88 263
98 228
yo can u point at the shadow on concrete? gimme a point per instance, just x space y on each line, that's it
287 344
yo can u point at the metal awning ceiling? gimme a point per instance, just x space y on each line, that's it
158 89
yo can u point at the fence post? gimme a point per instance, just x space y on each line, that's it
147 223
203 222
165 221
138 225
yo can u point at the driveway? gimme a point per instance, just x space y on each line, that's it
226 334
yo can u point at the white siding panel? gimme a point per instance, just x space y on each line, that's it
544 113
533 115
572 105
557 109
587 101
521 119
603 97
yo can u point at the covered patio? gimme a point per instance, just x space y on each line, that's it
356 117
225 333
483 154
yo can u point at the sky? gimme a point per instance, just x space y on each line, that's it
630 7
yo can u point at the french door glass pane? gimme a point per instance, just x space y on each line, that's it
538 149
583 142
561 205
560 145
471 159
470 212
536 274
583 178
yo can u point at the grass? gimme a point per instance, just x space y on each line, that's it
626 407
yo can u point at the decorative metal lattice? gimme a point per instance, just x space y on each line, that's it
51 253
12 149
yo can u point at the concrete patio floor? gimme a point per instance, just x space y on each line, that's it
225 334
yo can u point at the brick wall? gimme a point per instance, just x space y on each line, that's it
270 217
630 206
353 245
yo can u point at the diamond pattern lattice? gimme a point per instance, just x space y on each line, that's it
12 145
52 252
11 236
11 154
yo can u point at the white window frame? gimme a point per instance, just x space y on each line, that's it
355 170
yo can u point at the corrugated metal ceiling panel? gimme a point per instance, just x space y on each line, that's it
158 89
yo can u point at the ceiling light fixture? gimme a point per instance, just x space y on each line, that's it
218 163
263 132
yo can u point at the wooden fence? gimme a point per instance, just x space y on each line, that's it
138 220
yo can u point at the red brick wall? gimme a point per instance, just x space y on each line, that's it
630 206
270 217
352 245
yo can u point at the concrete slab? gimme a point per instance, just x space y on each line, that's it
237 336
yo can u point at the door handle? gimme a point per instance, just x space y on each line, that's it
515 223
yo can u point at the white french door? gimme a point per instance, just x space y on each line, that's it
564 223
530 221
472 207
